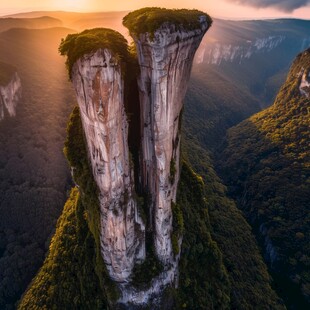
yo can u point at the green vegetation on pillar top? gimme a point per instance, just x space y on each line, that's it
75 46
148 20
6 73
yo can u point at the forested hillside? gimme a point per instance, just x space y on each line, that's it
235 279
266 164
6 72
250 280
34 176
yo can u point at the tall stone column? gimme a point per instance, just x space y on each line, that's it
99 85
165 63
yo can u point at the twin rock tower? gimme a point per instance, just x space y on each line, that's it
165 43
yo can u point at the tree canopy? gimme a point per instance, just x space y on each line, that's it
151 18
74 46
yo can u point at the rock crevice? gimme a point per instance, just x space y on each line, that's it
165 62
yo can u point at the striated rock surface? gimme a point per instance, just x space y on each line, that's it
98 82
165 63
10 94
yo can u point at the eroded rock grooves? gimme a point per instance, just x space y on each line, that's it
98 82
165 64
10 94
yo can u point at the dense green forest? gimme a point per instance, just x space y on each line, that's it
74 258
248 275
6 73
267 166
207 277
34 175
68 279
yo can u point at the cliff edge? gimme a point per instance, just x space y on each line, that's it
98 62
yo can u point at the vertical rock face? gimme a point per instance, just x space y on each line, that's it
165 63
98 82
10 94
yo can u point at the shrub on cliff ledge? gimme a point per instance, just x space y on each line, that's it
150 19
78 44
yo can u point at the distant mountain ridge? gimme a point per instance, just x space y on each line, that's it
239 69
80 21
34 23
231 44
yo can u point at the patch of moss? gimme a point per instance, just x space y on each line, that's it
74 46
148 20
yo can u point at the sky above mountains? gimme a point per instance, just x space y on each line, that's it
234 9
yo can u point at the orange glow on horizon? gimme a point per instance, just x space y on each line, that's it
216 8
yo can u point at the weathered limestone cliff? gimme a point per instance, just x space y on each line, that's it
98 82
10 94
96 64
165 62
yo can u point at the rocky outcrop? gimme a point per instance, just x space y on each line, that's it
10 94
165 63
98 82
218 53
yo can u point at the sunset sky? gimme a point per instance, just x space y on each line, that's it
249 9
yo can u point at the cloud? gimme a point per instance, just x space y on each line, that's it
283 5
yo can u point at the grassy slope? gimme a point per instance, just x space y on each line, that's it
266 164
203 281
